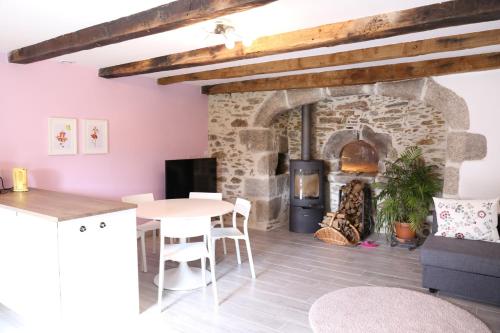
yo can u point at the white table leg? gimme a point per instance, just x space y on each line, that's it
183 277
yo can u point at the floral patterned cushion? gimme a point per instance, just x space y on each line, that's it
467 219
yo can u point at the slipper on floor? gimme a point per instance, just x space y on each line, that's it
368 244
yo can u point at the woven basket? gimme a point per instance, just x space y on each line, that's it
331 235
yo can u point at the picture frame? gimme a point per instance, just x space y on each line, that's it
62 135
95 136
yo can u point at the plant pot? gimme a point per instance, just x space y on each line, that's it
403 231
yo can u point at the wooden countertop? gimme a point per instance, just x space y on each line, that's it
57 206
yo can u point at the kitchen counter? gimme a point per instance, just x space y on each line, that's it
83 269
57 206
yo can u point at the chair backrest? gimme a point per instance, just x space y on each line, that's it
242 207
205 195
184 227
138 198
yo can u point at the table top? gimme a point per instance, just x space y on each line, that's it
59 206
183 208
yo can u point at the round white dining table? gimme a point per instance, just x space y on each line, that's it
183 277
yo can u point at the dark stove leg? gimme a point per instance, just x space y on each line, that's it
433 291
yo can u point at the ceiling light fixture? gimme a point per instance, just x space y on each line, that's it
228 32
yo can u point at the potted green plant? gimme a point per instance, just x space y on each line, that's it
406 194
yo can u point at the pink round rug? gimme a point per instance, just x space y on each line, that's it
382 309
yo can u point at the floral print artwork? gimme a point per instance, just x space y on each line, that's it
62 136
467 219
96 136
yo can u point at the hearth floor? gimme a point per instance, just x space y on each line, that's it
293 270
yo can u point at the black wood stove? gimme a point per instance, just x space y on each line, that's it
307 198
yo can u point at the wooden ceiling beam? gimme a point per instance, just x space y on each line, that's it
385 52
366 75
412 20
166 17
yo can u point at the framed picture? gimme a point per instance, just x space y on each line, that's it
62 136
95 136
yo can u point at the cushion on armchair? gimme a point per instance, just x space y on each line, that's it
467 219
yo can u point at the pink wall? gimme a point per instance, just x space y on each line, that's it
147 124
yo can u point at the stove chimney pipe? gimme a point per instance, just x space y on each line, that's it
306 132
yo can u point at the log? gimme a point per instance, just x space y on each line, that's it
385 52
366 75
166 17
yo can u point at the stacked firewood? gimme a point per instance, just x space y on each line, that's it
339 222
344 226
351 205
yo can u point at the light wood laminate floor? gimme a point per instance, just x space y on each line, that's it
293 270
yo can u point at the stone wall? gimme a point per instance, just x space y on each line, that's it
394 122
406 122
247 130
247 157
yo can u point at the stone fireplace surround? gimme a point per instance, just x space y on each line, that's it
246 142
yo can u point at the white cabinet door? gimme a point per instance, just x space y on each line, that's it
98 267
7 258
77 244
30 269
118 258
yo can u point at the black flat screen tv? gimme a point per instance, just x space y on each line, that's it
191 175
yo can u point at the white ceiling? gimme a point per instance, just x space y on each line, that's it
30 21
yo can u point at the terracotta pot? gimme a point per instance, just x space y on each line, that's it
403 231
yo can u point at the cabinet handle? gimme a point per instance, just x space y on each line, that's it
82 228
102 225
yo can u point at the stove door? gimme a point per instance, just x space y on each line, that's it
306 184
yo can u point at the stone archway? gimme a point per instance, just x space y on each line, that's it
242 137
461 145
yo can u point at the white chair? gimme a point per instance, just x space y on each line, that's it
183 252
212 196
142 228
241 207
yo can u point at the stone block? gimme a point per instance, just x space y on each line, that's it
239 123
267 210
298 97
267 187
266 165
283 144
453 107
463 146
365 89
476 147
380 141
254 100
344 178
257 140
271 108
260 187
350 106
282 184
332 165
235 180
281 221
451 181
408 89
337 141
